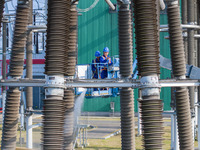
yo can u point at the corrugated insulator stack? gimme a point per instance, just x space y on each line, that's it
69 118
179 70
146 25
152 121
126 60
2 2
71 61
53 123
147 53
158 22
56 36
68 7
9 134
53 118
11 115
72 42
19 40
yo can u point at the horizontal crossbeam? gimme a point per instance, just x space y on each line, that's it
91 83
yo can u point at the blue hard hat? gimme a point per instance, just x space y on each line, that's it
106 49
97 54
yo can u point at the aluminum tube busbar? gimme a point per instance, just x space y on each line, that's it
110 4
162 4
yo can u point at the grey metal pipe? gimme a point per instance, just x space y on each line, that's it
184 11
110 4
29 72
4 51
185 36
188 26
4 63
33 27
97 83
198 50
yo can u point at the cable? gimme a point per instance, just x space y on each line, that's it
89 8
37 4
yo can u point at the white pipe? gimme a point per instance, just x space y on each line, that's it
110 4
162 5
139 121
3 102
22 115
198 126
193 124
39 30
29 140
196 110
176 137
172 131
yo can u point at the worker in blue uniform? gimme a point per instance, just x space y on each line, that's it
95 65
107 62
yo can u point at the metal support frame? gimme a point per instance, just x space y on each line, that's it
174 131
29 133
198 125
139 122
22 110
176 138
198 64
196 111
4 43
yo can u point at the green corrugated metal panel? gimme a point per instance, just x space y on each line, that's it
165 51
98 29
102 104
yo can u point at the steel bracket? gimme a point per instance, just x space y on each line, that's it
149 82
54 85
150 86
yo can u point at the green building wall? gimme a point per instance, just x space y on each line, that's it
97 29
